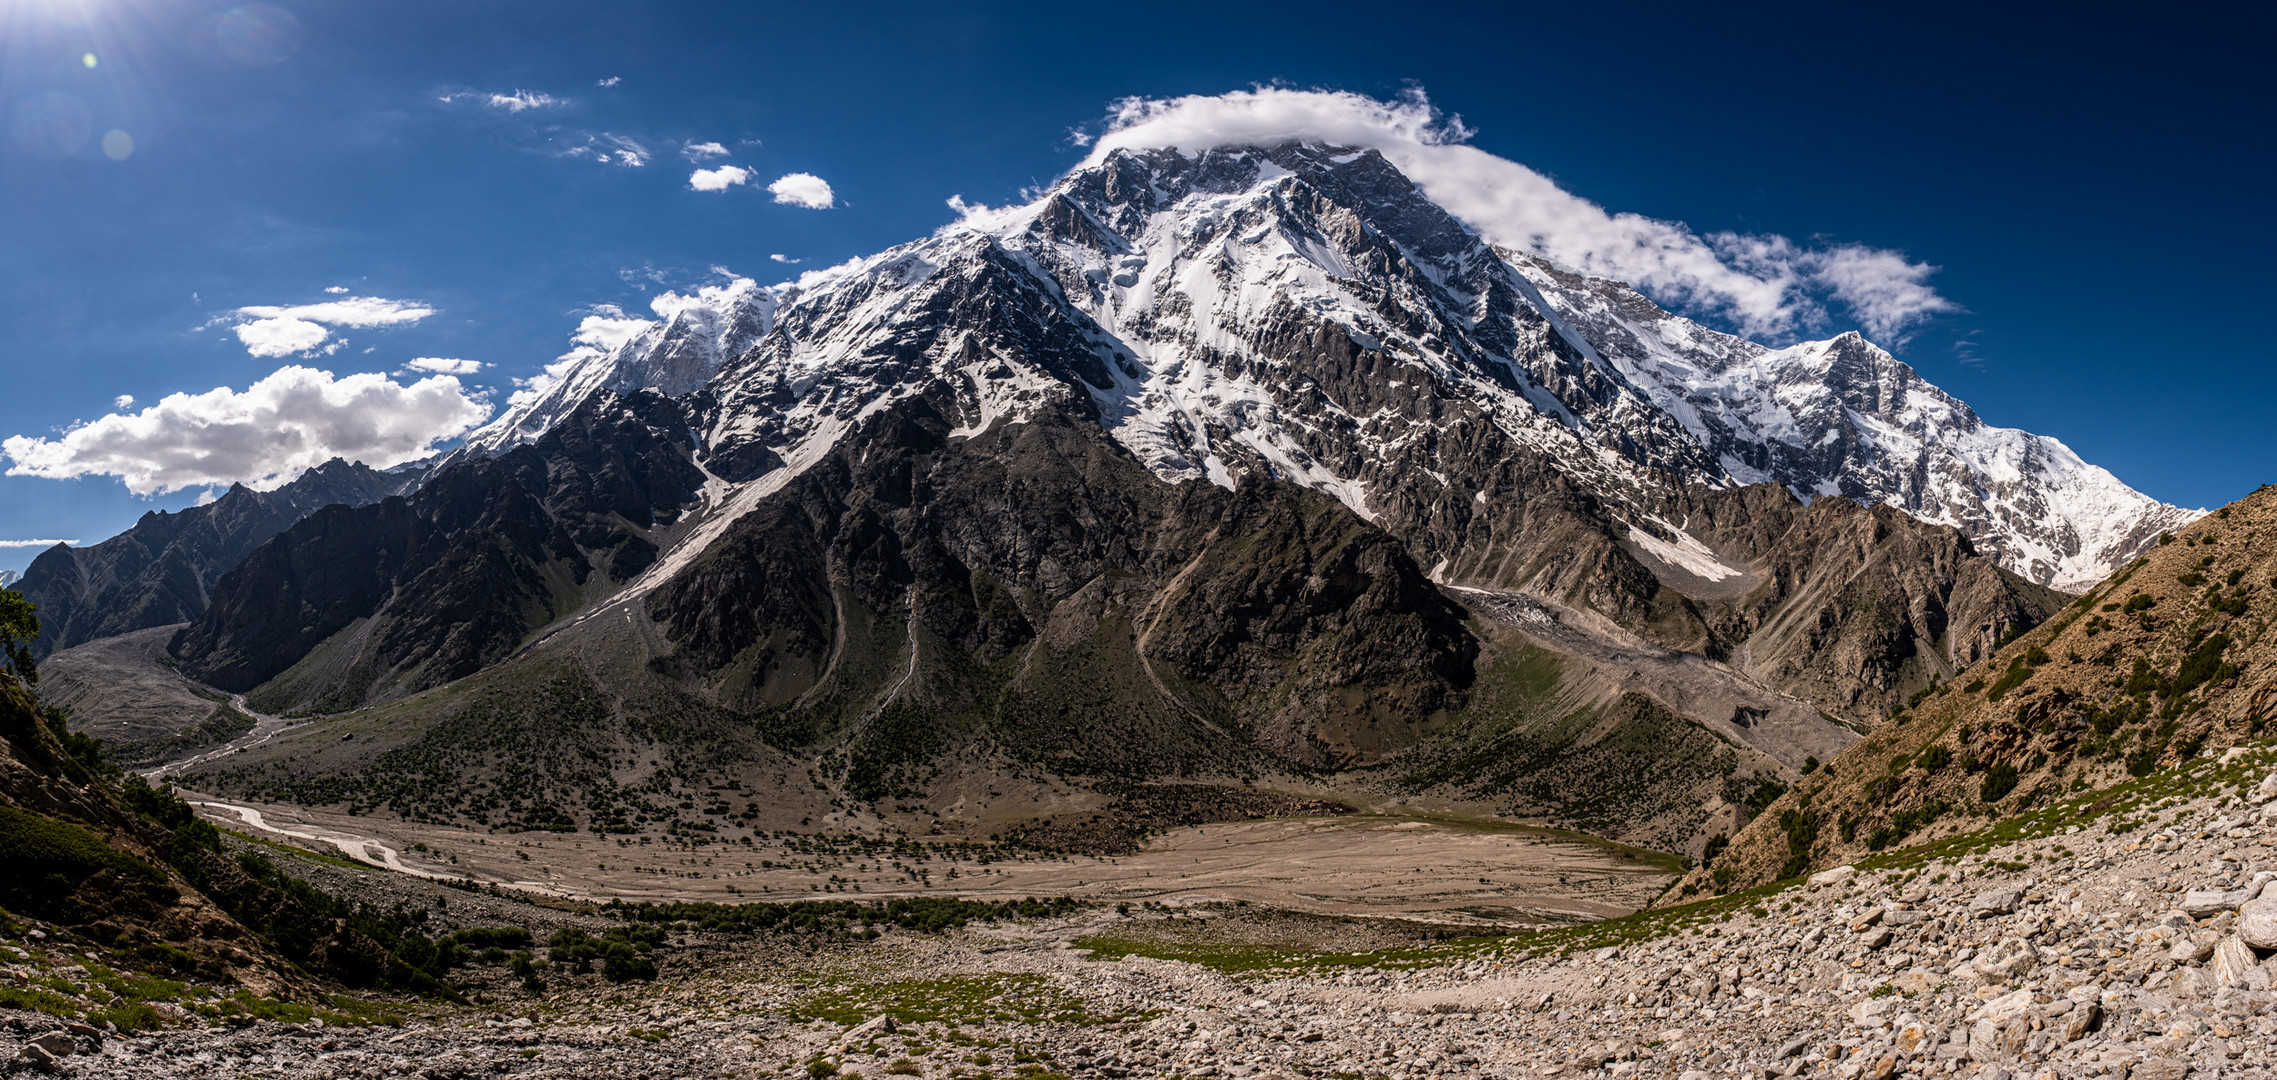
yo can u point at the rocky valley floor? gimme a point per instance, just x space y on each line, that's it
2119 934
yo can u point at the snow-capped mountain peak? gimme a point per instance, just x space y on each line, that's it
675 354
1307 311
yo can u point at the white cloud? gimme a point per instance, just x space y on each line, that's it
281 337
703 151
122 401
597 335
610 81
33 543
444 365
611 149
284 331
785 259
600 334
293 419
719 179
335 289
518 101
1764 284
522 99
803 189
713 297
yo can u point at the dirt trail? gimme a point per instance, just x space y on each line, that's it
265 727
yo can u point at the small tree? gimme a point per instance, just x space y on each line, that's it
19 627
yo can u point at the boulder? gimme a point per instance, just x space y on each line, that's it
2080 1020
2257 923
2006 1007
1992 902
2199 903
2234 964
1840 874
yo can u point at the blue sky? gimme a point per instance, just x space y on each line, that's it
2093 192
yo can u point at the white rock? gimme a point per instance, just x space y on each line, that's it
2199 903
2267 790
2257 923
2234 964
1840 874
881 1024
1993 902
2005 1007
2080 1020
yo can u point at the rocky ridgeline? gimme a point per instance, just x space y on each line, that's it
2137 946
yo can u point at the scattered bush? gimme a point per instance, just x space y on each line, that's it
1998 782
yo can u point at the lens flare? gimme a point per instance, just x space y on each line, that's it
117 145
87 59
51 125
256 35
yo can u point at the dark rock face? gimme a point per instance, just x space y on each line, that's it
1178 474
1851 608
1034 582
453 577
162 570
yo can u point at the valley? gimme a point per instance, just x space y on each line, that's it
1222 617
1457 872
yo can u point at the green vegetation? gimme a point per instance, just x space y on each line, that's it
621 951
840 918
1999 780
19 627
49 859
967 999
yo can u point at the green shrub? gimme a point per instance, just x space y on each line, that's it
46 860
1998 782
2203 665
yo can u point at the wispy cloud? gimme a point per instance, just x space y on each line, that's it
122 401
268 330
785 259
610 81
1763 284
442 365
803 189
518 101
608 148
719 179
522 99
263 436
703 151
33 543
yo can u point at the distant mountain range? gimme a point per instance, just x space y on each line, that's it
162 569
1233 462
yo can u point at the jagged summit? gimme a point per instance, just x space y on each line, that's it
1306 310
674 356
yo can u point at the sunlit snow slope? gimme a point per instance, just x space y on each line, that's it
1307 311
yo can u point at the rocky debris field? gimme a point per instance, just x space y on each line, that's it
2125 935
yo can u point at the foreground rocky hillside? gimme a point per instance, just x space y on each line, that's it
2121 935
2166 661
